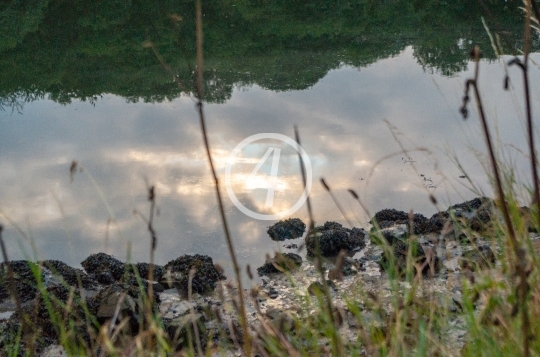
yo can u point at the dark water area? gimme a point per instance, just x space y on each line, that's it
362 81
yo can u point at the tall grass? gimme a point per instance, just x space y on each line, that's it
499 312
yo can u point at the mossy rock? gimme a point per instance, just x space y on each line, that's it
205 278
282 262
332 237
291 228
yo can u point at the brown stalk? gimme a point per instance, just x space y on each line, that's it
270 330
192 272
326 290
334 198
199 91
357 198
487 135
152 199
523 287
530 130
304 180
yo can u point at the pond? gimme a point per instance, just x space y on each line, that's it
376 102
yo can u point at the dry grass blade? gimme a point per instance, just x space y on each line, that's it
199 90
304 180
192 272
336 339
520 257
334 198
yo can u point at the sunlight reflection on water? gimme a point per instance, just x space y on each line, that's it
341 121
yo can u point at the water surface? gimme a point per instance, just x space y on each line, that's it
357 105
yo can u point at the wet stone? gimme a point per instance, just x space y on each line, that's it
350 267
437 222
205 278
111 300
104 268
332 237
480 222
475 214
181 329
428 262
144 270
468 207
70 275
477 258
352 321
387 218
291 228
316 288
391 233
23 279
290 246
40 311
282 262
527 216
272 293
283 321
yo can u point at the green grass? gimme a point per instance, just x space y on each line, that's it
499 312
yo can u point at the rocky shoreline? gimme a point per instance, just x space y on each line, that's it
450 246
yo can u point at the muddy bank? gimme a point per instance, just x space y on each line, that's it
447 247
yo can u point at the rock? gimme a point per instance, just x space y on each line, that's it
428 262
71 276
475 214
104 305
135 287
54 351
290 246
283 321
388 218
350 267
345 267
144 270
316 288
482 218
527 217
468 207
437 222
332 237
282 262
23 279
40 311
477 259
291 228
272 293
181 333
112 300
52 273
205 278
391 233
352 321
104 268
220 332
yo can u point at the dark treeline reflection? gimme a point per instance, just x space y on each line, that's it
80 49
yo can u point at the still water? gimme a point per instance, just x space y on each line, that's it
354 123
